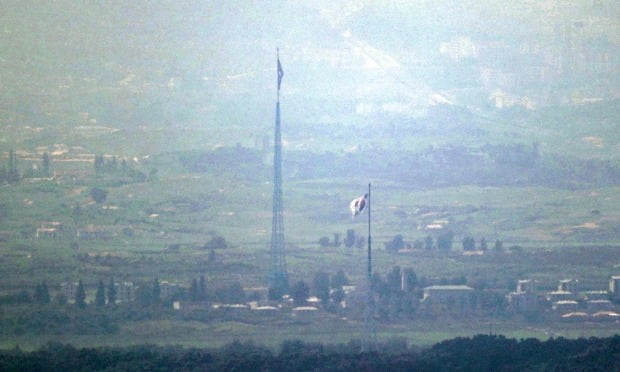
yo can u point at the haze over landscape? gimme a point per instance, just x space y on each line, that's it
136 143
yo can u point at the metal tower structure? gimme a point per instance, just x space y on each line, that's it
278 276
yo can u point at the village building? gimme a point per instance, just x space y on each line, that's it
614 287
566 291
524 299
168 290
594 306
92 232
606 316
595 295
125 291
305 312
568 285
448 297
46 233
565 306
68 290
49 230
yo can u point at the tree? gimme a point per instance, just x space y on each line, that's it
320 286
193 291
45 294
156 297
45 164
12 174
111 293
80 295
61 299
216 242
418 244
428 243
300 292
100 295
113 164
232 294
153 174
144 295
201 293
499 246
349 240
212 256
338 280
444 241
377 284
98 164
98 194
395 244
394 280
324 242
41 294
337 241
483 244
469 244
411 279
337 296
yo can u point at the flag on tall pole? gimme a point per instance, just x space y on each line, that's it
280 71
357 205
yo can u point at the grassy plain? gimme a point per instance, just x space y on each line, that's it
548 233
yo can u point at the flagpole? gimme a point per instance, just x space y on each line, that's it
278 59
369 331
369 239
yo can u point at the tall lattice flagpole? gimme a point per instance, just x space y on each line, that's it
369 336
278 276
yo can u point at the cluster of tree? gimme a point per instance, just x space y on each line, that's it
10 173
325 287
42 294
198 290
443 242
469 244
351 239
397 294
238 160
55 320
114 166
488 165
478 353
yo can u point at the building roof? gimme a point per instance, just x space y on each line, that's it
566 302
449 288
575 314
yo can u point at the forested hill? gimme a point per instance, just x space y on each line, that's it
480 353
188 66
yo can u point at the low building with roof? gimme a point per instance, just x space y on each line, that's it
595 295
606 316
565 306
614 287
599 305
524 299
125 291
448 297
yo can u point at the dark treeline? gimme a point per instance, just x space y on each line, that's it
480 353
450 165
489 165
